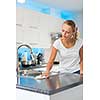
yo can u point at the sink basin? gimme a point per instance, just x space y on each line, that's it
34 73
29 73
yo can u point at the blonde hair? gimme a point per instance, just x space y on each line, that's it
74 28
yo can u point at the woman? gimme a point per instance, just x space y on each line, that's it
70 51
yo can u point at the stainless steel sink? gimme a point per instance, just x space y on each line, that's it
29 73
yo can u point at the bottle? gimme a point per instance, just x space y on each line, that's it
26 55
24 59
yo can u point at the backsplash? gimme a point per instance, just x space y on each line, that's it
45 51
36 51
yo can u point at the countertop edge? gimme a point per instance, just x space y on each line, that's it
51 92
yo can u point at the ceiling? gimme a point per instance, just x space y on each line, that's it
69 5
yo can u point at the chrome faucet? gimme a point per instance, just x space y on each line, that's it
32 55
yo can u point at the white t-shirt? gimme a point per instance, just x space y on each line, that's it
69 57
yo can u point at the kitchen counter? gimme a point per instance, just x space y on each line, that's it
54 84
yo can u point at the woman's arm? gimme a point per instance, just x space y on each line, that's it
81 60
51 59
50 62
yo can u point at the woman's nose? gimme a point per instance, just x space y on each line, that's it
65 33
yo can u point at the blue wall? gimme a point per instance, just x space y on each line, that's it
31 4
36 51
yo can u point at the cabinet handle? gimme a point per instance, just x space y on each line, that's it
33 43
19 25
18 42
34 27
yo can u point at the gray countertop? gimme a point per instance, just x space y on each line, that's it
52 85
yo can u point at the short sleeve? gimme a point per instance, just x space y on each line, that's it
80 43
56 44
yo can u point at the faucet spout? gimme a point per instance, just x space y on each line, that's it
33 57
26 46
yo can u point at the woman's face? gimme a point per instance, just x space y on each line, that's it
66 31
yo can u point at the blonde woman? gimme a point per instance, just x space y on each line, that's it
70 49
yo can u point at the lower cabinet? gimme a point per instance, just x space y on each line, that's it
75 93
28 95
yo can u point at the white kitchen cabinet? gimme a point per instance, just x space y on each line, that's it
28 95
35 28
48 25
20 16
31 27
19 33
31 35
56 24
27 23
31 18
27 17
75 93
44 39
19 25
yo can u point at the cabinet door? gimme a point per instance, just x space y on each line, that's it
19 16
44 39
48 24
19 33
31 36
19 25
31 18
56 24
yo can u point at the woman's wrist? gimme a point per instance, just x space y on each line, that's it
81 72
47 71
81 67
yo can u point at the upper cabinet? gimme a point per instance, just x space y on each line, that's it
19 33
31 36
27 17
31 19
27 26
48 25
31 27
19 25
19 16
34 28
44 38
56 24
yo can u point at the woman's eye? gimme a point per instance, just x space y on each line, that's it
63 30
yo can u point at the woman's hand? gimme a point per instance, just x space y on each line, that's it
81 72
46 74
81 76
